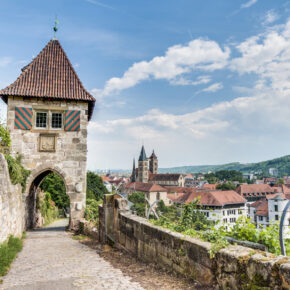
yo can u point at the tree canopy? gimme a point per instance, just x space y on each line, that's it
54 184
95 187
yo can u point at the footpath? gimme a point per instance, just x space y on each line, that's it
51 259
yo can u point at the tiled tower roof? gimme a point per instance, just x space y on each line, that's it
50 75
153 155
142 156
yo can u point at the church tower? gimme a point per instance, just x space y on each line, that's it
143 167
133 175
153 163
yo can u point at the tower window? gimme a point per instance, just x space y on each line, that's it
41 120
56 120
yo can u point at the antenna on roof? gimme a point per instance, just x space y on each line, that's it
55 28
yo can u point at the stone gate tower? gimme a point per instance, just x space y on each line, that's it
48 114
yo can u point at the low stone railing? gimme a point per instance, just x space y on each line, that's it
235 267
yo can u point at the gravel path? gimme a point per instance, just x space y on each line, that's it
51 259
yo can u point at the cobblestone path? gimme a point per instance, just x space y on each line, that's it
51 259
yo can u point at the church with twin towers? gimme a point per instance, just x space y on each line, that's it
147 172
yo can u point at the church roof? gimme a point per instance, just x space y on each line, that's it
153 155
50 75
142 156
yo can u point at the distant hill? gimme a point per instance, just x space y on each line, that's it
282 164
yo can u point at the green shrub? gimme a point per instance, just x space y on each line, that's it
138 200
47 208
8 252
92 210
18 174
4 137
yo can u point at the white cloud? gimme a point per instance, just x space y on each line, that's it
241 129
268 56
184 81
4 61
213 88
249 4
198 54
270 17
98 3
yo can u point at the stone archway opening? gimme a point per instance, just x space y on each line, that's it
39 191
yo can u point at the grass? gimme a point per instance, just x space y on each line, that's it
79 237
8 252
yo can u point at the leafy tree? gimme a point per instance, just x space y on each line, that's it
226 186
281 181
193 217
95 187
211 178
92 210
54 185
138 200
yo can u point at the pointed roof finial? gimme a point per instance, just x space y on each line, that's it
142 156
55 28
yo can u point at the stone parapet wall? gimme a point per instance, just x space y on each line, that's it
11 205
235 267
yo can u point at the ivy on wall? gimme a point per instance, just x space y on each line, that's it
18 174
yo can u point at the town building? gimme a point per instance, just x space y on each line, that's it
222 207
254 192
147 172
269 210
273 171
151 191
270 180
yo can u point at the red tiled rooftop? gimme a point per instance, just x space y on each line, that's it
208 198
209 186
50 75
164 177
145 187
262 209
257 189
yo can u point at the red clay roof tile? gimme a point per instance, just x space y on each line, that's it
50 75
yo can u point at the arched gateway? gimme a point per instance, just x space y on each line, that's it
48 114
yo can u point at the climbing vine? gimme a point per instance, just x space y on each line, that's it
18 174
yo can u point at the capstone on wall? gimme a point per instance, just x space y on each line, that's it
66 155
11 207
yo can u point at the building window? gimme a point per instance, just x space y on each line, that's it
41 120
56 120
240 211
223 212
276 207
158 196
276 217
260 218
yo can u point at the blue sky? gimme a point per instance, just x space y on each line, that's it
201 82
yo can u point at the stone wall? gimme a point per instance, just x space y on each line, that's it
11 207
235 267
68 159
